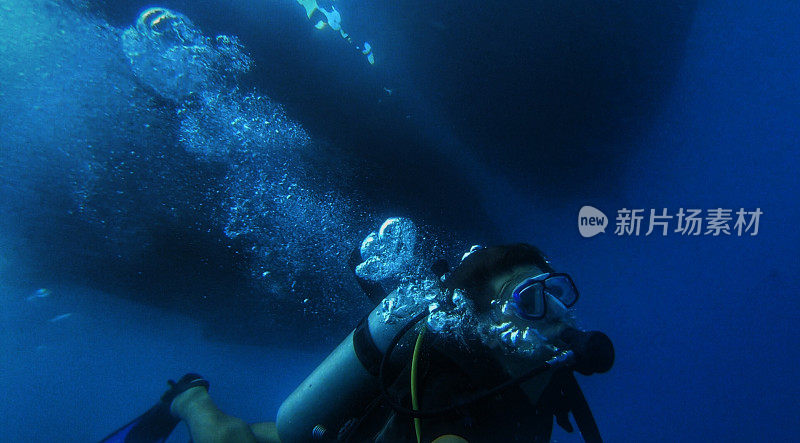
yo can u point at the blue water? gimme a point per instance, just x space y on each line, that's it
178 242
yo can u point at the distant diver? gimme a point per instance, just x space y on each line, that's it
333 19
410 380
39 293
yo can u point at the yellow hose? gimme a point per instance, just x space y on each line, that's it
414 368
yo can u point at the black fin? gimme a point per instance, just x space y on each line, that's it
154 426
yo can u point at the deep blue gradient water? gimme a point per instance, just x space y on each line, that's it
500 126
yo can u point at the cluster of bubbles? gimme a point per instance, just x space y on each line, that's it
388 251
506 332
231 126
295 232
273 196
392 256
170 55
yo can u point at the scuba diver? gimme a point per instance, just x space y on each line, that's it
491 358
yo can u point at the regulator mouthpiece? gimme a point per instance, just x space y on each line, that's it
594 352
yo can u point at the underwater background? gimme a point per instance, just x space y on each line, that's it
170 211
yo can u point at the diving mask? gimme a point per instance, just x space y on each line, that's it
529 298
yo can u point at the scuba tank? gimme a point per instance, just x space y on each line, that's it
347 381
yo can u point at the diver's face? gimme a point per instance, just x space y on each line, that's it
510 331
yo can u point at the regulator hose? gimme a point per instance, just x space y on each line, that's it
415 381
